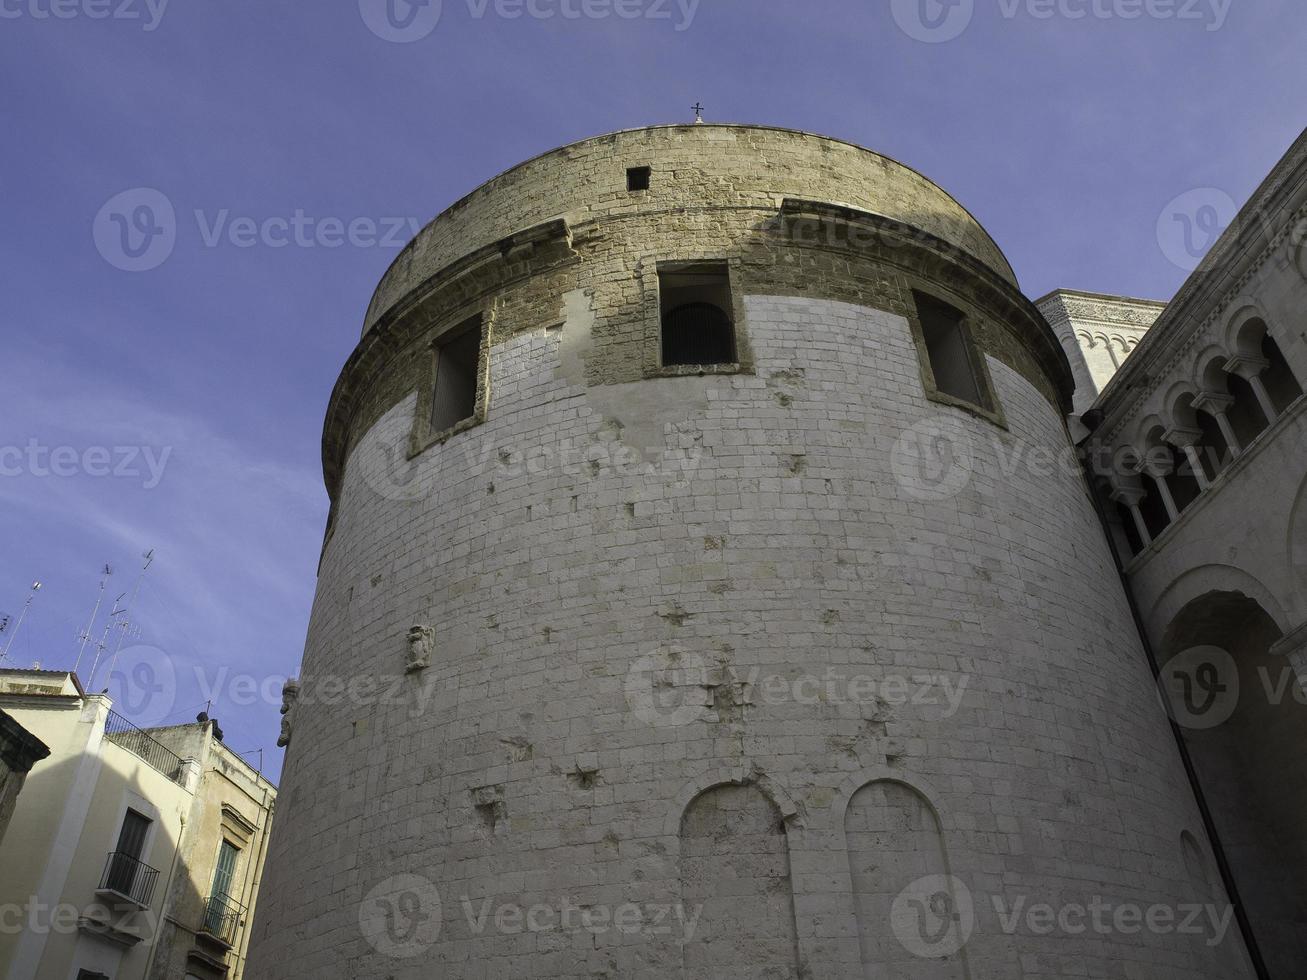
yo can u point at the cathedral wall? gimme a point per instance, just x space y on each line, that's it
1204 435
1098 333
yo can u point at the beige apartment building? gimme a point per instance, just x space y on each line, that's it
130 854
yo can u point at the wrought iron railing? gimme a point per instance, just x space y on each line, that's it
122 732
129 877
222 918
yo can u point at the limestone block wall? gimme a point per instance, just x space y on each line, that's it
727 166
781 670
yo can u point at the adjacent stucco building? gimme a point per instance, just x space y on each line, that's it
131 853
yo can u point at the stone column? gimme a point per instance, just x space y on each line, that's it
1130 496
1159 480
1185 438
1215 403
1250 368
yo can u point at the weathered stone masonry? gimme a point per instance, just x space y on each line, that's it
671 612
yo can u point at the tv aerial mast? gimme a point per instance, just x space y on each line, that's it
125 626
85 635
36 587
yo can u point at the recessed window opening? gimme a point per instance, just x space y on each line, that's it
125 868
949 350
455 397
1245 413
637 178
695 306
1278 379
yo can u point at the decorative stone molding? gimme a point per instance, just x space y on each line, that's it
421 640
290 693
1247 366
1213 402
1182 436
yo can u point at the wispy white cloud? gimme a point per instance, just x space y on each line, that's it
235 534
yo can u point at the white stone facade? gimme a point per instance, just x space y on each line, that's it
1098 333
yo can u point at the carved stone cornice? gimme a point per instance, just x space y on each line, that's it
1068 310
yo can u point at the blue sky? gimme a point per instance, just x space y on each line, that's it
1068 136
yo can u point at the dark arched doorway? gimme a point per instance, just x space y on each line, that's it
1244 720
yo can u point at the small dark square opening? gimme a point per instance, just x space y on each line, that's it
695 305
637 178
455 396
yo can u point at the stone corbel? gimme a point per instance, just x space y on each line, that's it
421 639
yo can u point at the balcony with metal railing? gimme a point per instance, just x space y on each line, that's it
222 919
155 754
128 881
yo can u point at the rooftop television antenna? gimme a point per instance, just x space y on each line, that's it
85 635
125 626
117 610
36 587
